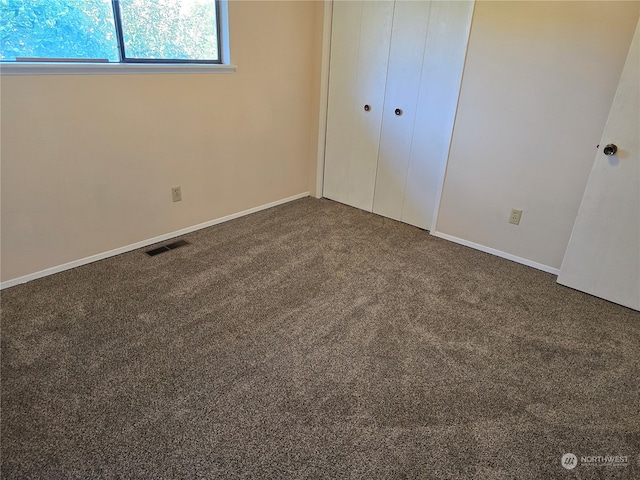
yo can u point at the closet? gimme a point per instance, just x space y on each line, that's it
394 79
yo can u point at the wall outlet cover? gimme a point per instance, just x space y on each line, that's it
515 216
176 194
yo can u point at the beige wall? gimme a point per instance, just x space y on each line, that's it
538 83
88 160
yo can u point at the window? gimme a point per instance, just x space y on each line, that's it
111 31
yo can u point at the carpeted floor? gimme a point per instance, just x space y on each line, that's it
314 340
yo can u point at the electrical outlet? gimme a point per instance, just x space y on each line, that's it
515 216
176 194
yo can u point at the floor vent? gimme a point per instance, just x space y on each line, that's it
166 248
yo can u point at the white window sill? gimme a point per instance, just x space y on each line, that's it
59 68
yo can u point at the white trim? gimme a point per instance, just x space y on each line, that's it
84 68
498 253
134 246
324 95
223 18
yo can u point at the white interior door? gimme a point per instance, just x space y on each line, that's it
603 255
361 32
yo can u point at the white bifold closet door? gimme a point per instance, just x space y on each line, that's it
395 74
361 32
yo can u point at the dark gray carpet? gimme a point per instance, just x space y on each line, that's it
313 340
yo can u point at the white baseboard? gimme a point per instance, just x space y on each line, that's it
143 243
498 253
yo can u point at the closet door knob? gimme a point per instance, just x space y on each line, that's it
367 108
610 149
398 111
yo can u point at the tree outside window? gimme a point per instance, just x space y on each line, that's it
106 30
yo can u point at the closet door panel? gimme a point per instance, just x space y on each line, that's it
361 35
403 82
345 41
444 57
375 37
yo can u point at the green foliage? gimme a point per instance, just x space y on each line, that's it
57 28
169 29
160 29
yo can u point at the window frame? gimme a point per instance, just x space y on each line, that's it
117 18
135 66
